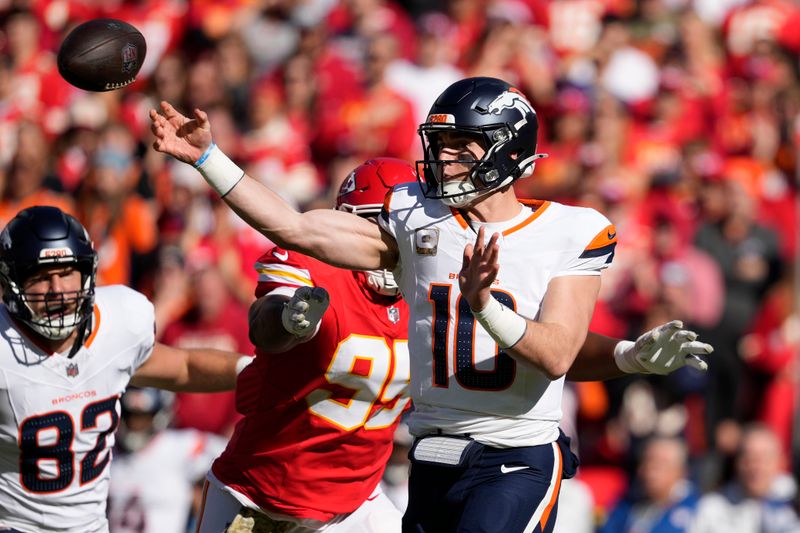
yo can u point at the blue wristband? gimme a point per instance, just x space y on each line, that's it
205 155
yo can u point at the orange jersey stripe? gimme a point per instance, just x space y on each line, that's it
605 238
457 215
95 329
554 497
539 209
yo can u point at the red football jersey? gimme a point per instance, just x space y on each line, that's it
319 419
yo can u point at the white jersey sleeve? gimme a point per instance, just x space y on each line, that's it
141 323
594 239
58 416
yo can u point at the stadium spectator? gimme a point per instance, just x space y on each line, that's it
121 223
214 318
662 499
432 69
748 255
25 181
770 350
760 499
276 148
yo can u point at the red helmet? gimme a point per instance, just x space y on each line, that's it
364 189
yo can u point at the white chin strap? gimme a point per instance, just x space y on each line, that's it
462 193
56 333
382 282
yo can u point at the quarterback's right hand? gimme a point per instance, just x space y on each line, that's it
183 138
302 313
662 350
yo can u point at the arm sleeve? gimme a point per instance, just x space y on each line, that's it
282 272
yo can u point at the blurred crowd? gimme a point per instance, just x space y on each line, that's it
677 119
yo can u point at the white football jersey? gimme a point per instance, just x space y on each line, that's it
152 489
461 383
58 416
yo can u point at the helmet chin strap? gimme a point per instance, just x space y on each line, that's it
46 330
83 331
460 193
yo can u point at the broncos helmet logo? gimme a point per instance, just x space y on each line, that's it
509 100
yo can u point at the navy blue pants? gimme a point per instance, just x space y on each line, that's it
494 490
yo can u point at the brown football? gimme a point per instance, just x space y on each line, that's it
102 55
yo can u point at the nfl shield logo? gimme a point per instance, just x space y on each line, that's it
130 56
394 314
72 370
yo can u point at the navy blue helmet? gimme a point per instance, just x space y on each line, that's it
496 115
42 236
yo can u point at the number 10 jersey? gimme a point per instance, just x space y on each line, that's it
461 382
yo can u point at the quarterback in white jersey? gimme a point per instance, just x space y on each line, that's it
468 386
496 325
69 350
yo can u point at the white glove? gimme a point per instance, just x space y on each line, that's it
662 350
302 313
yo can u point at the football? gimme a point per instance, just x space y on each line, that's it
102 55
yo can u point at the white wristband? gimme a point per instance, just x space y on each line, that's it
218 170
504 325
242 362
625 357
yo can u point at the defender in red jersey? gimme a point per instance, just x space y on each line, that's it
324 395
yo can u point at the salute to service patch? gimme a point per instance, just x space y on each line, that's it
426 240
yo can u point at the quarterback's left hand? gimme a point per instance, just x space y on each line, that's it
479 269
662 350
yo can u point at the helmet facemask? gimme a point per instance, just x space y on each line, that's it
63 311
502 163
499 118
